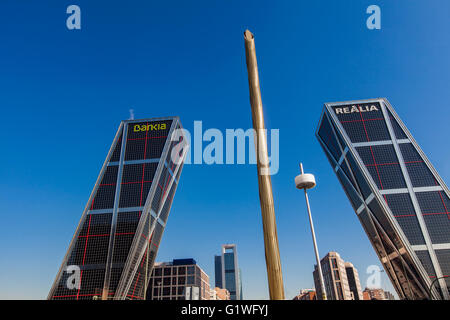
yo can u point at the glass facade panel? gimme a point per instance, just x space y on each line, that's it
403 210
360 180
399 133
443 257
349 189
435 210
418 171
382 163
229 261
363 122
366 222
326 133
425 259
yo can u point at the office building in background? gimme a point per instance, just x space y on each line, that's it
306 294
334 278
227 272
115 244
374 294
353 281
181 279
399 198
218 271
388 296
219 294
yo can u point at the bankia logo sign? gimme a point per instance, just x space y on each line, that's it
149 127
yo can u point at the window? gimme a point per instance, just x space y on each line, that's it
339 291
334 262
167 271
336 275
157 281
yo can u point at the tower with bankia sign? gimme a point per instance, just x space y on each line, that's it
115 244
398 196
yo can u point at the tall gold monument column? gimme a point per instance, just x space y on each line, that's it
274 275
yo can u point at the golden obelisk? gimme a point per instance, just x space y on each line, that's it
273 263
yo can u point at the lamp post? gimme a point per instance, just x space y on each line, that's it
307 181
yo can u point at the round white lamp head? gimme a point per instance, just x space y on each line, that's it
305 181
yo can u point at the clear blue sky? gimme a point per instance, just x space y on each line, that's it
63 94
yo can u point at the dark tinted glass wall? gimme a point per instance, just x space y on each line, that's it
218 271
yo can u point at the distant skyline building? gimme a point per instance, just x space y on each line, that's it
112 252
374 294
306 294
220 294
227 272
181 279
389 296
399 198
334 276
218 271
353 281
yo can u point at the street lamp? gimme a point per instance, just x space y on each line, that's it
307 181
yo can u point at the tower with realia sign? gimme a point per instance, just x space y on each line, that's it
399 198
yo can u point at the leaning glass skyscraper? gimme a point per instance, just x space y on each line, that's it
399 198
115 244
